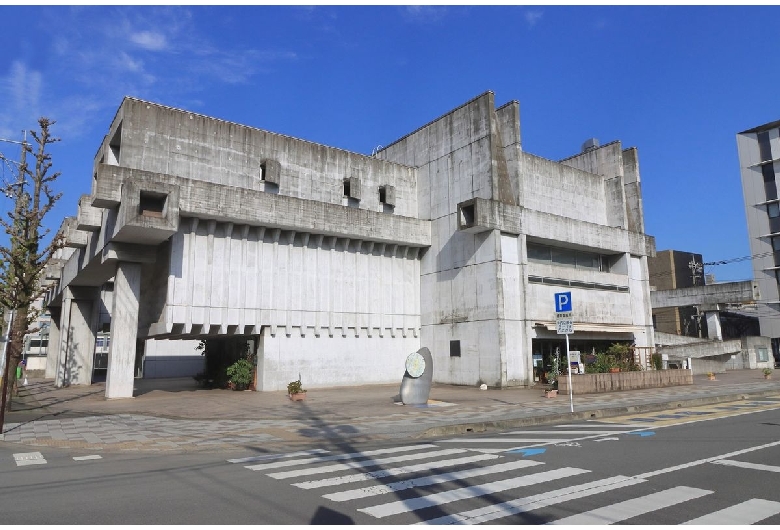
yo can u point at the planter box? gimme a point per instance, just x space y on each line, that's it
298 397
598 383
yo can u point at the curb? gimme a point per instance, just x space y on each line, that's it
469 428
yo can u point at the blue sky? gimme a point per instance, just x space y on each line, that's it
678 83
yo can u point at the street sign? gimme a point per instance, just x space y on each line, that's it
564 323
564 327
563 302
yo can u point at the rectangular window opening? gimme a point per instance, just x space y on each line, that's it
346 188
152 204
467 215
454 348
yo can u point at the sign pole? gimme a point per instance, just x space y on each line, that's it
568 362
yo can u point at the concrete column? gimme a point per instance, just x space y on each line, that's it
713 325
124 331
61 377
53 350
76 338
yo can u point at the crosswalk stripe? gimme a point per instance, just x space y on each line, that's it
436 499
262 458
588 432
347 456
429 480
88 457
621 511
29 459
535 502
748 512
748 465
598 425
371 462
504 440
382 473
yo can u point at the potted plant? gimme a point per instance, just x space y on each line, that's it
711 376
295 390
767 373
240 374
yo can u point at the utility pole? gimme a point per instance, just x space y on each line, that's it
6 352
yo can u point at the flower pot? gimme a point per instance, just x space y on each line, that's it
300 396
767 376
550 393
711 377
614 370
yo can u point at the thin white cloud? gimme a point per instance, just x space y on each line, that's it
532 17
150 40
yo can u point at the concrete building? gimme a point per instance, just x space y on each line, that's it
759 162
671 270
335 265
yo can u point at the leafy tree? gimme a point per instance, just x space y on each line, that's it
25 256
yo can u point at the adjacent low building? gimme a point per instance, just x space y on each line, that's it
334 265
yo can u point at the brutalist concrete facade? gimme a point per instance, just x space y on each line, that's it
337 265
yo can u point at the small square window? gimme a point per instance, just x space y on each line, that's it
773 209
454 348
763 355
152 204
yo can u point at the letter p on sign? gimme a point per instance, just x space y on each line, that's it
562 302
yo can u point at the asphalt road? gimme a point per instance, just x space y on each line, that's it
710 465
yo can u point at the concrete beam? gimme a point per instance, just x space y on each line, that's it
707 295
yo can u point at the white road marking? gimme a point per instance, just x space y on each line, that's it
621 511
263 458
382 473
436 499
748 465
88 457
535 502
571 432
287 463
505 440
706 460
602 425
371 462
429 480
748 512
29 459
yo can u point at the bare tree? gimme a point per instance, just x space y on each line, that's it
23 259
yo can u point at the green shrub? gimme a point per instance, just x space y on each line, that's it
657 361
295 387
240 373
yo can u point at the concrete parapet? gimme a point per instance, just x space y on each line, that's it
597 383
89 217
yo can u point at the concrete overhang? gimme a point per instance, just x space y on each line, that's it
89 218
210 201
480 215
584 234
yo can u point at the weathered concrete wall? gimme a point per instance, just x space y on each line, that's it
561 190
460 156
161 139
333 361
235 279
599 383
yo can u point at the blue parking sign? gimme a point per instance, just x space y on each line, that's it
563 302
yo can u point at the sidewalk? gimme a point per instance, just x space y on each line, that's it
177 415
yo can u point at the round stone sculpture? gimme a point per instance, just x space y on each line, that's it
416 383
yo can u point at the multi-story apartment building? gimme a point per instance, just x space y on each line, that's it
759 162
